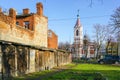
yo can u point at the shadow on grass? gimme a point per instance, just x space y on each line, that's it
85 75
32 76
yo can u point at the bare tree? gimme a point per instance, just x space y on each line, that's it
86 41
108 43
64 46
115 18
101 34
115 23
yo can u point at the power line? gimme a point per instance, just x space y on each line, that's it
61 19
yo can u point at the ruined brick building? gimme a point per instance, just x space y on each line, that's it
27 28
24 43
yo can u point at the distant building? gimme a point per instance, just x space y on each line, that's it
112 48
88 48
27 28
91 50
52 40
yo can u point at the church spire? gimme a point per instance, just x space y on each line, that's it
78 20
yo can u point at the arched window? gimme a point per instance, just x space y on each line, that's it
77 33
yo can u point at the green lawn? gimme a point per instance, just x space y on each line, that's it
89 72
109 71
82 72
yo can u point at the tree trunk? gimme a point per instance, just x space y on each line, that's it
107 47
119 47
97 54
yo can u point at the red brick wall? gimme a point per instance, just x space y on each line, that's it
52 40
30 19
33 33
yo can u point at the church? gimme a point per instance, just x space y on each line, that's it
81 49
78 39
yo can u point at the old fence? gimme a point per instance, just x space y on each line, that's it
18 59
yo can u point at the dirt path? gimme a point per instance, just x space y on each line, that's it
54 71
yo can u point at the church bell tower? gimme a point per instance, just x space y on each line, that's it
78 38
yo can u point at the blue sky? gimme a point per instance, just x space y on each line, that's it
62 14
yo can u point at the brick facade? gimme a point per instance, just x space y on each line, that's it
52 40
27 28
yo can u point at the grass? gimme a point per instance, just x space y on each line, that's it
88 72
109 71
80 72
32 76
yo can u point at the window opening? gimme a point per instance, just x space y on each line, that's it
77 33
26 23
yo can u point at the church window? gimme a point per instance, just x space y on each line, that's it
77 33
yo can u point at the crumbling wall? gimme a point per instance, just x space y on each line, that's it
36 35
8 59
41 31
21 59
19 34
6 19
17 60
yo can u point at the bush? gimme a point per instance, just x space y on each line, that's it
93 61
